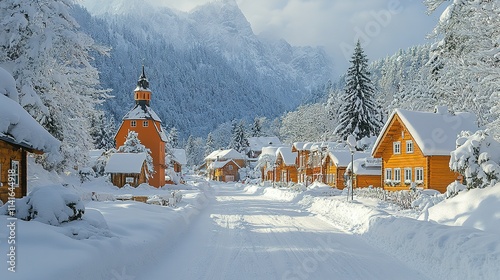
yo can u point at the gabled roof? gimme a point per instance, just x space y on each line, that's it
257 143
142 112
125 163
361 168
287 155
19 128
434 133
179 156
221 164
224 155
342 158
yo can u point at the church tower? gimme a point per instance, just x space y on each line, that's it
143 120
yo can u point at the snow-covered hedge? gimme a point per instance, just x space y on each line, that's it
477 158
51 205
166 200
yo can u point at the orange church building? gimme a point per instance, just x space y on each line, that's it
143 120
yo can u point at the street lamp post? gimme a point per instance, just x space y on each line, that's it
351 141
352 174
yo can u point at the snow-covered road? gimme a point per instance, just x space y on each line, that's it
245 235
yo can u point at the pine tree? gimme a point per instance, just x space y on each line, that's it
210 145
359 114
256 128
239 141
173 137
132 144
102 131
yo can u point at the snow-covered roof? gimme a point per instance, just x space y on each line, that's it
434 133
224 154
288 156
221 164
179 155
142 112
342 158
299 146
19 127
257 143
361 167
125 163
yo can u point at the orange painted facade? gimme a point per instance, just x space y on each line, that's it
148 126
403 165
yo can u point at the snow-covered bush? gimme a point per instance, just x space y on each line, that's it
476 159
86 174
166 200
51 205
454 188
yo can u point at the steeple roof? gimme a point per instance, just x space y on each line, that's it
142 83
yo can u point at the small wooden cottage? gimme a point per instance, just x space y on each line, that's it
223 165
335 164
367 172
127 168
415 147
20 134
286 170
303 161
143 120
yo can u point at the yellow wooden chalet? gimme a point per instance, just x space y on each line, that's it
415 147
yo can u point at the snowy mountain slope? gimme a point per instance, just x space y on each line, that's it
204 62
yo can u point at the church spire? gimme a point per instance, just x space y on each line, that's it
143 82
142 94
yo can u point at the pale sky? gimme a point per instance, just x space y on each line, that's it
383 26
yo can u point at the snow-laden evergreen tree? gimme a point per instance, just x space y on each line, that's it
466 60
173 137
194 150
359 113
256 129
50 60
102 131
477 159
209 145
132 144
239 140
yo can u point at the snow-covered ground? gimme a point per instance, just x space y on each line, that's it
235 231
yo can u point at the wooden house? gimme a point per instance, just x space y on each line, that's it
223 165
143 120
335 163
285 170
255 145
415 147
20 134
127 168
367 172
304 162
267 163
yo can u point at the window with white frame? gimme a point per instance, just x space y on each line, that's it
145 123
133 123
229 167
129 180
14 172
397 175
408 177
409 147
396 148
419 174
388 174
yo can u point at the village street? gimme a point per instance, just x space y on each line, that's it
246 235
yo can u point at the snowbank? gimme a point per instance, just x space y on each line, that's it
476 208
